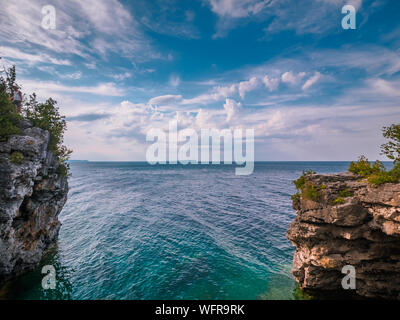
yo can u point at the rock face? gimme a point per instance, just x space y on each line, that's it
361 230
32 195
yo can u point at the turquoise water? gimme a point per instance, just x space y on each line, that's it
135 231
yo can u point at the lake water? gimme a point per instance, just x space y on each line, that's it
135 231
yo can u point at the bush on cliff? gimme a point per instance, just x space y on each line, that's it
306 188
376 173
8 115
47 116
16 157
364 168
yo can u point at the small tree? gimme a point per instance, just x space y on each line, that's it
8 115
11 77
47 116
391 149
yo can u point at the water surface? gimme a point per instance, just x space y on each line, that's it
135 231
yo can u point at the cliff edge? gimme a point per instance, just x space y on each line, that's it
32 194
349 223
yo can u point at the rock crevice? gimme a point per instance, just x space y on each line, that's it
32 194
363 231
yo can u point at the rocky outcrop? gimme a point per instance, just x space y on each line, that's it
32 194
361 229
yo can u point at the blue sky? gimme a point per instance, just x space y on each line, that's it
309 88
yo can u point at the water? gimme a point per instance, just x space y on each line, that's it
135 231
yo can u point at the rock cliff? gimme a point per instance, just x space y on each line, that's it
32 194
361 229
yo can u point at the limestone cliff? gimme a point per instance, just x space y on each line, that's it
32 194
361 229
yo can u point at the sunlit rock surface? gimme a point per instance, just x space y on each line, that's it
363 231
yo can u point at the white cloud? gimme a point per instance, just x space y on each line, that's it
50 89
377 89
20 22
108 17
292 78
166 99
31 59
282 131
304 17
203 119
311 81
307 16
271 83
158 17
122 76
246 86
90 65
73 76
107 22
373 59
237 8
384 87
216 94
232 108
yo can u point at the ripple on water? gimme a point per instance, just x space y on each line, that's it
134 231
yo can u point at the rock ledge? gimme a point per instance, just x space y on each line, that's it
32 194
362 231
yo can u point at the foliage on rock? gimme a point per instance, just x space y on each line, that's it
375 173
47 117
16 157
8 115
306 188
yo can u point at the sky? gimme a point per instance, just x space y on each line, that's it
310 89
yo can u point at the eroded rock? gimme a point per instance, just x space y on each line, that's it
363 231
32 195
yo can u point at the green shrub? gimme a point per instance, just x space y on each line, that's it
8 115
63 169
338 200
296 197
300 182
396 170
345 193
382 177
307 189
378 167
16 158
312 192
362 167
47 116
375 174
